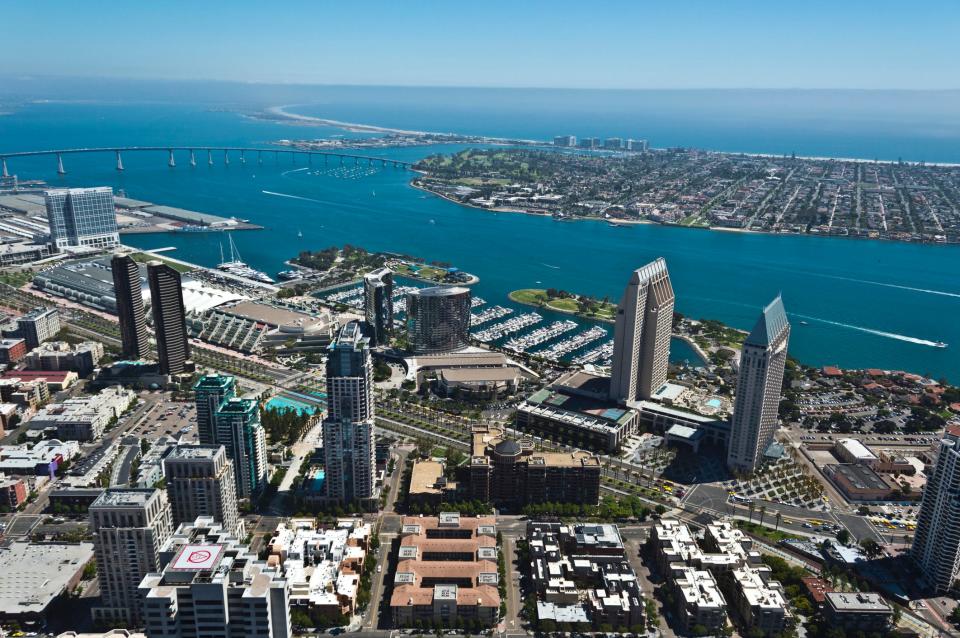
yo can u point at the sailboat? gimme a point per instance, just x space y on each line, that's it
299 233
236 265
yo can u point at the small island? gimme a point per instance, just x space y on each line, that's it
562 301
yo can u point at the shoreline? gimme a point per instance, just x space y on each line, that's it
637 222
372 128
511 297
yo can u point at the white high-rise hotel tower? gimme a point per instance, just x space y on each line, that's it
762 361
936 545
641 336
348 429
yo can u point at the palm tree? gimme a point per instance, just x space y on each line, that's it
751 511
763 511
779 515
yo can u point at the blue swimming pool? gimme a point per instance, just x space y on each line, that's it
286 403
714 403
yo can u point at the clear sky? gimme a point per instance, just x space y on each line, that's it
515 43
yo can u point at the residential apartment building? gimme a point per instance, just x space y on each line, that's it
85 418
128 292
378 304
82 358
36 326
129 527
239 431
348 445
169 318
200 483
438 319
446 571
936 543
209 584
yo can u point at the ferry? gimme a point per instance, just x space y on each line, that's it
289 275
804 323
237 267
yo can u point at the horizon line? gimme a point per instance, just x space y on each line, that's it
281 83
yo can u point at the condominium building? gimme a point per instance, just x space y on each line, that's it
12 350
446 571
169 318
758 599
936 544
82 358
438 319
641 334
210 392
209 584
512 474
84 418
348 429
699 602
239 431
36 326
322 566
128 291
82 217
378 304
762 361
129 527
857 611
565 141
580 574
200 482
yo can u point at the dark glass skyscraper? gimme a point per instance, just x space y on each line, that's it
169 317
128 291
378 304
438 319
82 217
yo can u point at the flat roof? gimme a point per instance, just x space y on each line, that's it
32 575
857 602
195 558
271 315
464 375
424 477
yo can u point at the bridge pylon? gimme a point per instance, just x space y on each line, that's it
60 170
209 157
5 172
226 157
119 162
259 157
243 160
193 158
171 162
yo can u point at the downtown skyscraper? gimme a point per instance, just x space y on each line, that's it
128 291
348 445
759 384
378 304
641 335
169 317
936 544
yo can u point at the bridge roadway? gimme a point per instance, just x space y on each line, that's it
192 150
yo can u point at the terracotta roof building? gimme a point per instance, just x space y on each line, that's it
446 571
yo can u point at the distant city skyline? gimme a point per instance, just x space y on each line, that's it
619 45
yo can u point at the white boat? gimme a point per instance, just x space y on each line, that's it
940 344
236 265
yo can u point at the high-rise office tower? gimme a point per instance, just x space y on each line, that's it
169 318
210 585
239 431
438 319
210 392
128 290
936 544
348 429
641 334
82 217
762 361
378 304
200 482
129 526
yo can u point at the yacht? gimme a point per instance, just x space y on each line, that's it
236 266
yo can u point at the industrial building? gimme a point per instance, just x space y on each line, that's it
34 575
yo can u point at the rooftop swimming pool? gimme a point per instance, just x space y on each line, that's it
286 403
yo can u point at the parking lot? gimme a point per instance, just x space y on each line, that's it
170 418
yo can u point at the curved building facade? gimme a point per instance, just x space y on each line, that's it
438 319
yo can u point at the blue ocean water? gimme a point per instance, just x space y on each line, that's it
863 303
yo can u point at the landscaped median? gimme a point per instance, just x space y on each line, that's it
568 302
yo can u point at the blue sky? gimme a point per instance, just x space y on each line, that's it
639 44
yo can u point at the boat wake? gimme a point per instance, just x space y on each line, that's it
306 199
929 291
549 266
879 333
294 170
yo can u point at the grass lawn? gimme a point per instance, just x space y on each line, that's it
144 258
569 305
533 296
538 297
766 532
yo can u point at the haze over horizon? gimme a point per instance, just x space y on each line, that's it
566 45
